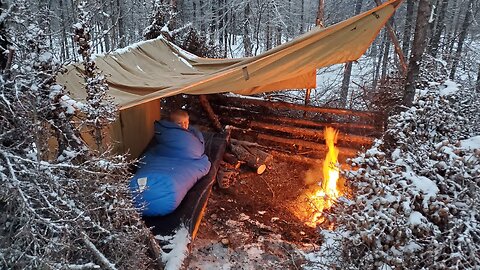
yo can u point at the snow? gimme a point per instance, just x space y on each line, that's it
471 143
45 57
78 26
422 183
416 218
139 68
450 88
328 253
178 243
125 49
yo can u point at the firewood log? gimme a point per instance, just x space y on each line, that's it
254 158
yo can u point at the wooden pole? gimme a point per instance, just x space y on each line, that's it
211 114
396 44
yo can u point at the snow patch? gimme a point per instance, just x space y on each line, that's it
450 88
416 218
178 244
471 143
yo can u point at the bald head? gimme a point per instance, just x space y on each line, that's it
180 117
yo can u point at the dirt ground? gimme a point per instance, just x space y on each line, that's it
256 213
263 203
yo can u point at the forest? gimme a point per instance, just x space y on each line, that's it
410 196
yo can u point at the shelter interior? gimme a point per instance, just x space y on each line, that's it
274 202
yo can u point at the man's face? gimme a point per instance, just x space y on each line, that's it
181 121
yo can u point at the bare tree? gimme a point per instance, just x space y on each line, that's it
461 39
440 27
418 48
348 68
407 31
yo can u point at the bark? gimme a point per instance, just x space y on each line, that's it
211 114
278 36
434 42
202 15
247 44
478 80
418 47
106 36
385 58
64 46
254 158
347 72
319 21
407 31
348 68
302 16
121 25
461 39
379 61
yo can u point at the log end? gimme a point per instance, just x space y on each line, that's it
261 169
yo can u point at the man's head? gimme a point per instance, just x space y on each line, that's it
180 117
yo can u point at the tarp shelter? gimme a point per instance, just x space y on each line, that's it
140 75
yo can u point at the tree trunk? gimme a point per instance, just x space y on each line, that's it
461 39
478 80
302 16
385 58
202 17
379 61
407 31
418 47
105 34
64 46
320 14
121 25
247 44
348 68
434 42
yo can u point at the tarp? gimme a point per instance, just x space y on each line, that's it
154 69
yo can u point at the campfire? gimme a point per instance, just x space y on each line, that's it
326 189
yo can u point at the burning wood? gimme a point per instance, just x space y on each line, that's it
329 191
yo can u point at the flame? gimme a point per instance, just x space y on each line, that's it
329 192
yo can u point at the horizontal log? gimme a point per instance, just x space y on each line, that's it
298 107
307 144
230 111
299 132
277 144
296 158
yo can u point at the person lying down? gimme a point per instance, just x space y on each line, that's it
170 167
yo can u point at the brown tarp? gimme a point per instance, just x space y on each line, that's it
156 68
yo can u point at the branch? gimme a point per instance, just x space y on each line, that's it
99 255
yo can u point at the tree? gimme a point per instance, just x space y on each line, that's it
440 27
407 30
418 47
60 208
461 39
348 68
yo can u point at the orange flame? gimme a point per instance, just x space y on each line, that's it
324 198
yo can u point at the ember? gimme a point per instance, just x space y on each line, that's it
323 199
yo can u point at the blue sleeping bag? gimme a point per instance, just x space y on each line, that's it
169 169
